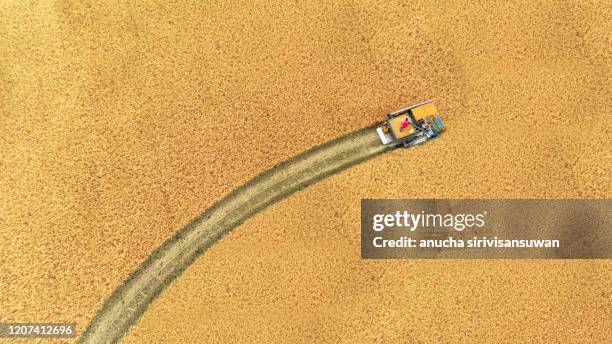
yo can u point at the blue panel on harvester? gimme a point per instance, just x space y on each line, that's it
439 121
435 126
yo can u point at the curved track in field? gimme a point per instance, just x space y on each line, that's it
130 300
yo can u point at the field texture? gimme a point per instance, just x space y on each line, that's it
120 123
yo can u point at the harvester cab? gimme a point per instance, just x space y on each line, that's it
411 125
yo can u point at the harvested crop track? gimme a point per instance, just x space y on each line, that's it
130 300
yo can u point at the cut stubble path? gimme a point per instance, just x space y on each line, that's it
130 300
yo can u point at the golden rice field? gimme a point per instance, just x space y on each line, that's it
119 123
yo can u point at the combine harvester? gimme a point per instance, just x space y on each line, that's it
412 125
